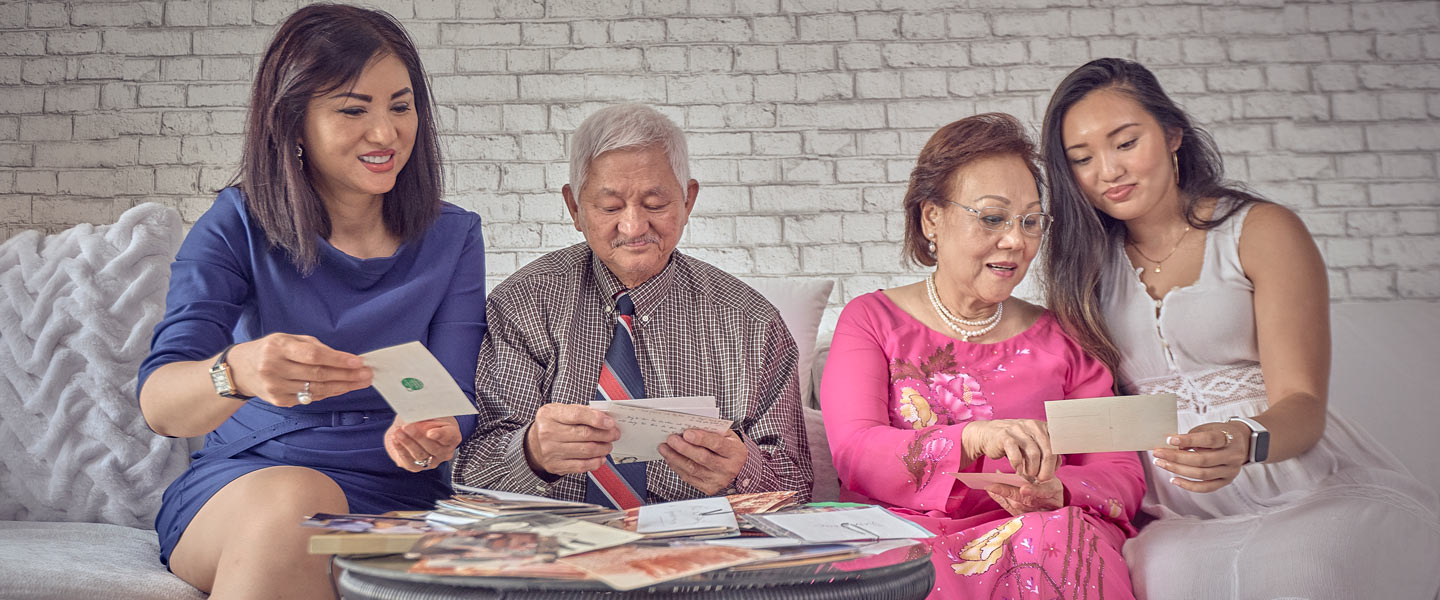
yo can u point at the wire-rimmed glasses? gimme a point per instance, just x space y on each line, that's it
994 218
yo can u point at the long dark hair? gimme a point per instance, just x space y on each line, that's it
1082 239
317 50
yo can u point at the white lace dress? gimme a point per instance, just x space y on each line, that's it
1342 520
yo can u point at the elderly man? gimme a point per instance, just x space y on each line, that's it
623 315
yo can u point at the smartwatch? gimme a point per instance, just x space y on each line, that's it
1259 439
220 377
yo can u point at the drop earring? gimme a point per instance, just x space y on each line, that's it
300 154
932 245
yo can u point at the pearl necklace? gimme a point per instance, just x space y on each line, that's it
955 322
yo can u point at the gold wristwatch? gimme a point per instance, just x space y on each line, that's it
220 377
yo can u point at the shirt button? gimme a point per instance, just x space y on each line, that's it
645 319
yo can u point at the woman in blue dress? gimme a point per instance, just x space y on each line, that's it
333 242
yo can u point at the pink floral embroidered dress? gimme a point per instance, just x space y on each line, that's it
896 396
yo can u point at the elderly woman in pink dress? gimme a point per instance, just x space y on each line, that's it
950 374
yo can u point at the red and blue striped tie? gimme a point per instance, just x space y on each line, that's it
619 485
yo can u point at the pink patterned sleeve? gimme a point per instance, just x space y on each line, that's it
1108 485
899 467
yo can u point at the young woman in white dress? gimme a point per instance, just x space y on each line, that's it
1186 284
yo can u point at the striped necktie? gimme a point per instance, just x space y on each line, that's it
619 485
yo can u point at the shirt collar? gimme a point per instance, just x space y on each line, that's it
646 296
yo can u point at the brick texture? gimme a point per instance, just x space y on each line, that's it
804 116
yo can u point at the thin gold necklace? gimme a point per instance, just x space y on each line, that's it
1142 253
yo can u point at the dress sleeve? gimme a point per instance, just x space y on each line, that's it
778 456
511 383
459 322
897 466
210 282
1109 485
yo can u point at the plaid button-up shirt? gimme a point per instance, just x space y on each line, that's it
698 332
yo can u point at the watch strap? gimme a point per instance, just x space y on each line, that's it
1259 439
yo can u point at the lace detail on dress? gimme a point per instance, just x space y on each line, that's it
1199 393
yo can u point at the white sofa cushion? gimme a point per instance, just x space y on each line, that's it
801 303
77 310
827 481
64 561
1382 356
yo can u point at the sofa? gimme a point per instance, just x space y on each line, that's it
81 474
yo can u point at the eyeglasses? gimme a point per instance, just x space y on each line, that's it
998 219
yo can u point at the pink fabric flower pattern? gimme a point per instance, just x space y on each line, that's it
915 409
983 552
959 393
1114 508
922 454
934 390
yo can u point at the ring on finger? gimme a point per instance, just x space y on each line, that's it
424 463
303 396
1229 437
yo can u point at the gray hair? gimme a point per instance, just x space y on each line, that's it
626 127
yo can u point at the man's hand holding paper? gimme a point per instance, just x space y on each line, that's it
569 438
697 445
707 460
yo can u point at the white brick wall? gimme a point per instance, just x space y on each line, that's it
804 115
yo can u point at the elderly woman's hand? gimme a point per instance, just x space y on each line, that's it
1031 497
1026 442
1206 454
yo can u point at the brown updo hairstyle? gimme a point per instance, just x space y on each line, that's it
952 148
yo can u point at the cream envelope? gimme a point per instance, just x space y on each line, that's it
1115 424
414 383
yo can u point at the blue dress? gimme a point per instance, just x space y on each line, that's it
228 284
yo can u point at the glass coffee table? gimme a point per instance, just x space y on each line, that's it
896 574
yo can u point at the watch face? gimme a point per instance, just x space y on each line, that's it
220 378
1261 443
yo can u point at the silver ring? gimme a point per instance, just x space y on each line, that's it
303 396
424 463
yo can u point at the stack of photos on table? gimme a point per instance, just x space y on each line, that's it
483 533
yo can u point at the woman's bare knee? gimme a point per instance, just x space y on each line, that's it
257 512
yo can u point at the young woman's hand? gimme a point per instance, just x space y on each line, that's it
278 367
424 444
1206 454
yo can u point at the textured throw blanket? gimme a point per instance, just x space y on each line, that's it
77 310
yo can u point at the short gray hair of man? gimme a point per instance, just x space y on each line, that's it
626 127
